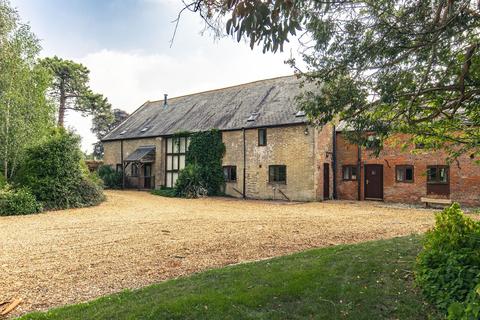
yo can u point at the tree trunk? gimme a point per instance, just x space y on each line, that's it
61 110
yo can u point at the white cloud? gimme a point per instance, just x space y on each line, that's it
130 78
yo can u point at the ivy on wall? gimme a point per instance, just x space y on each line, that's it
203 173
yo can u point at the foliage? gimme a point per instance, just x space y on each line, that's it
54 173
204 155
361 281
70 90
110 177
103 123
449 265
469 310
17 202
165 192
390 66
190 183
25 114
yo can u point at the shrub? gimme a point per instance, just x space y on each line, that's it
54 173
469 310
449 266
17 202
111 179
165 192
3 182
189 183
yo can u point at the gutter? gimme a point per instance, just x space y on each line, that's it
244 163
334 162
359 174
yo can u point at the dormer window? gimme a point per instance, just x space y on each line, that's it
300 113
123 132
144 129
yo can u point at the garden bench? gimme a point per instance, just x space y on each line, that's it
436 201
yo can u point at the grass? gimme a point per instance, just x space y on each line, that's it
372 280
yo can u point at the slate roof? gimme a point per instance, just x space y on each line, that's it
224 109
142 154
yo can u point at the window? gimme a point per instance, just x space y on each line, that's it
134 170
230 173
119 167
404 173
437 174
262 137
373 142
349 172
176 150
277 174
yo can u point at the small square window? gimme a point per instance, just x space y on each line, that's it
349 173
230 173
277 174
119 167
262 137
404 173
373 142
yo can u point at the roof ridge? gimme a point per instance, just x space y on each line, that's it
219 89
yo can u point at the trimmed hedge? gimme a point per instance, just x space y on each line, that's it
448 268
17 202
54 173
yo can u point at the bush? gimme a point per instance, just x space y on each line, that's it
449 266
54 173
111 179
469 310
165 192
17 202
3 182
189 183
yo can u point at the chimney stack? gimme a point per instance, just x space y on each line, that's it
165 103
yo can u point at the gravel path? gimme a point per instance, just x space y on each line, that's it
135 239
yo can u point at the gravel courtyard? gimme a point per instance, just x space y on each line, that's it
135 239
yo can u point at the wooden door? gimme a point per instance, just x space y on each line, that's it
147 176
326 181
374 181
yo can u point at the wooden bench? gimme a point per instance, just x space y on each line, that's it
436 201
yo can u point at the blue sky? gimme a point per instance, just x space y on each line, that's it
125 44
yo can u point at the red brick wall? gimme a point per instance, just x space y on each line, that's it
464 173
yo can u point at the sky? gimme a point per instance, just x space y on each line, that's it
126 46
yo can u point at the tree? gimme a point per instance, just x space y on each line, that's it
387 66
103 123
70 89
25 114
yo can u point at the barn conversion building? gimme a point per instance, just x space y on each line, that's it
273 153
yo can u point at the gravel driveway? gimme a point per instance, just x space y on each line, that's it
135 239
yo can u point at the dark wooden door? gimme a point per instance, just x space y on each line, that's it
147 176
374 181
326 181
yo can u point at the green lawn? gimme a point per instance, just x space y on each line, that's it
371 280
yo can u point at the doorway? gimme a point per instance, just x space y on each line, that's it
326 181
147 176
373 182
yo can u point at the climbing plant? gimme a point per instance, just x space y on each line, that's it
203 174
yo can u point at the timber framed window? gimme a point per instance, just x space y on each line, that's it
176 149
134 170
404 173
230 173
349 173
262 137
437 174
277 174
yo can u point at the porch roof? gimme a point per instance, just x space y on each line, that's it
142 154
